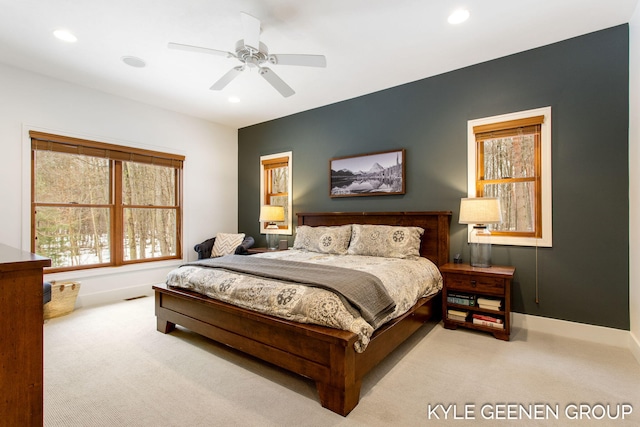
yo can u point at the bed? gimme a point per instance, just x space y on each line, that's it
326 355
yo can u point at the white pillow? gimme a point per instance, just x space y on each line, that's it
226 244
385 241
327 240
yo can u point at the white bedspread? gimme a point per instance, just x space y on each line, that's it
406 280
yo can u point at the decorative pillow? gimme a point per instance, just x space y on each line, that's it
385 241
226 244
327 240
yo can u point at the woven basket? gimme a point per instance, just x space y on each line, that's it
63 299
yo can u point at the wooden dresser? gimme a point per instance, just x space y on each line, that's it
21 337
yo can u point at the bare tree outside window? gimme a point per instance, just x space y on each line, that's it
148 198
510 174
73 213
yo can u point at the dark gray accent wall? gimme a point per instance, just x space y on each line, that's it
584 276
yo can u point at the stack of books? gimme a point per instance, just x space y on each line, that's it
462 299
489 303
484 320
460 316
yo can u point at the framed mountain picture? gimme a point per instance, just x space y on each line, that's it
374 174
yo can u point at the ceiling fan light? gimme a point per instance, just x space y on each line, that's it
65 35
458 16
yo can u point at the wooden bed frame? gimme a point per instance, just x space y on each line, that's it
323 354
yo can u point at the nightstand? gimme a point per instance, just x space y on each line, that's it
477 298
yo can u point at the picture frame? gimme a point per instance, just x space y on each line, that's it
374 174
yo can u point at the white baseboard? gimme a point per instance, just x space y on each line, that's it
113 295
579 331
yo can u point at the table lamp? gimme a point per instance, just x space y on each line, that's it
271 214
480 211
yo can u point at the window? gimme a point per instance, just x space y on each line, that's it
275 187
97 204
510 158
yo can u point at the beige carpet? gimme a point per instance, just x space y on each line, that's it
108 366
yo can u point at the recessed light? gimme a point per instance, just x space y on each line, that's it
134 61
234 99
459 16
65 35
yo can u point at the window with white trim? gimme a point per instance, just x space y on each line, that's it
95 204
275 188
509 157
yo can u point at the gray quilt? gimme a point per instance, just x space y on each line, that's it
363 291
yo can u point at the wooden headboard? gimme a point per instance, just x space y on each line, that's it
435 240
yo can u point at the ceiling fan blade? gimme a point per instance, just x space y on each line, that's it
197 49
226 79
251 30
275 81
303 60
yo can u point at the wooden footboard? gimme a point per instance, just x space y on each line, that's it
323 354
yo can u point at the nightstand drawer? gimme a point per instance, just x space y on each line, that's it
468 283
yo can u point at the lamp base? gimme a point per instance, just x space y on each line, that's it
272 242
480 254
480 250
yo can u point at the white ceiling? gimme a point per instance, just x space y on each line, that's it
369 45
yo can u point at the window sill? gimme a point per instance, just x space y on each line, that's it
520 241
105 271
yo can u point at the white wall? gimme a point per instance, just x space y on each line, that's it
32 101
634 181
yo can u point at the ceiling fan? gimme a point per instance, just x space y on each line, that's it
252 53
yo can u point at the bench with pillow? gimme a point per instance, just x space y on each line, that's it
224 244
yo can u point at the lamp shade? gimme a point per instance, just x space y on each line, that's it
480 210
271 213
